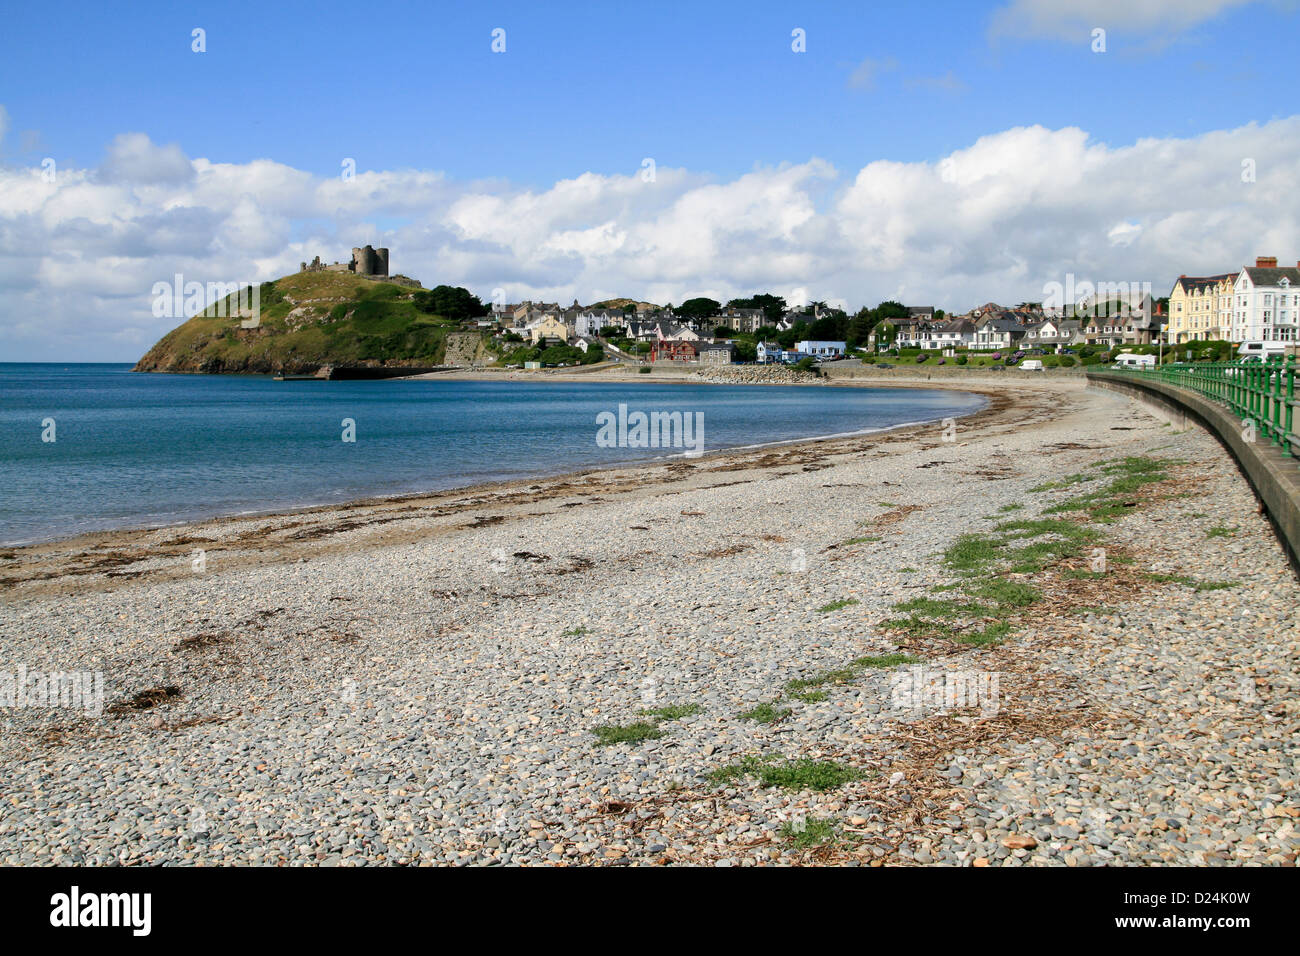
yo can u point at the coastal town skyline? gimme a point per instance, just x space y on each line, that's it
946 180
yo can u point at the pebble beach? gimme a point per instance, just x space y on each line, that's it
698 662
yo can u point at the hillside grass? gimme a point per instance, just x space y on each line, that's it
333 318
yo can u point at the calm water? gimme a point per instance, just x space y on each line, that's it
134 450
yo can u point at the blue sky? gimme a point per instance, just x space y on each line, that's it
598 86
946 153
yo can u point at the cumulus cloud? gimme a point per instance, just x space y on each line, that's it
134 158
996 220
1072 19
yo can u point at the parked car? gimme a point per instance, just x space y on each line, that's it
1032 365
1252 360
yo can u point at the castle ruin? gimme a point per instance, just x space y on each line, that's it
366 261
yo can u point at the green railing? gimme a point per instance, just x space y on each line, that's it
1260 392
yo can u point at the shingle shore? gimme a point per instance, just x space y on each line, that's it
425 691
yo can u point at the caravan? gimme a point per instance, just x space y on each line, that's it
1129 360
1262 351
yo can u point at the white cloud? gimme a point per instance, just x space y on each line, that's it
134 158
996 220
1073 19
1124 233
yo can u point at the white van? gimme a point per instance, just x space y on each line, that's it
1032 365
1129 360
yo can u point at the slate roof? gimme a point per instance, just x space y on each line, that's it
1272 277
1200 283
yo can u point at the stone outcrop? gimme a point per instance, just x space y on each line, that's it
465 349
756 375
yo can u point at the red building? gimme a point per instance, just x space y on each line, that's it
665 351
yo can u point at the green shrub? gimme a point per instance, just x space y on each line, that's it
960 360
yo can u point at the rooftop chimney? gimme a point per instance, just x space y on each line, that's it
1266 262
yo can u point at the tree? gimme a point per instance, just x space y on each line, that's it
829 328
699 308
451 302
746 352
859 327
889 309
723 332
773 306
790 336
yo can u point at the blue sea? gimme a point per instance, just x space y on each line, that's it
135 450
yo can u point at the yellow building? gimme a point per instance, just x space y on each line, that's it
1200 308
549 326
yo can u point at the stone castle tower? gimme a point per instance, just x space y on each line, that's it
366 261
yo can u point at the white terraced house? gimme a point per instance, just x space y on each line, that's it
1266 303
958 333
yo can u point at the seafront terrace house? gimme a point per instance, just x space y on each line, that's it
1200 308
1266 303
1053 334
928 334
994 332
907 333
1113 330
954 334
